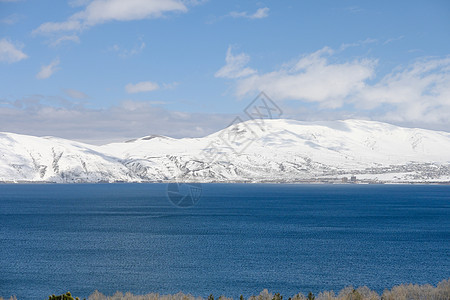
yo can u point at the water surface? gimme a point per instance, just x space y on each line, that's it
238 239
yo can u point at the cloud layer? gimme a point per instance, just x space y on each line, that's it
259 14
235 66
56 116
10 52
65 38
126 53
144 86
407 95
75 94
102 11
48 70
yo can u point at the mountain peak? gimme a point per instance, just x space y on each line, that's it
147 138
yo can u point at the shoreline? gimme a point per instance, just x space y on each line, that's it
302 182
439 291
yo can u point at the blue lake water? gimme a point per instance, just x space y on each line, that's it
237 239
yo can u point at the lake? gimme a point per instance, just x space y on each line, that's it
238 238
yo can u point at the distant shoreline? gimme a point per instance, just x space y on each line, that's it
240 182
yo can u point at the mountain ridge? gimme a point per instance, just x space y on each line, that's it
266 150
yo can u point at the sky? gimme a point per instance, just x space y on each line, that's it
100 71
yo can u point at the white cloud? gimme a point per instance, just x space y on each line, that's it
170 86
48 70
259 14
312 79
66 38
75 94
125 53
11 19
102 11
11 53
415 94
388 41
420 92
49 27
358 43
235 66
144 86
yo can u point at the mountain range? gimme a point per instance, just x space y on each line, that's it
277 150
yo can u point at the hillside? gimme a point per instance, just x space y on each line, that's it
275 151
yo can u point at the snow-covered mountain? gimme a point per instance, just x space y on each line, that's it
254 151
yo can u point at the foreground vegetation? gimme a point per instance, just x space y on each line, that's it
399 292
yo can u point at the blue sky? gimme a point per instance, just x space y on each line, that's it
108 70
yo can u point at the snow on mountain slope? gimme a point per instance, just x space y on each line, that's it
275 150
28 158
